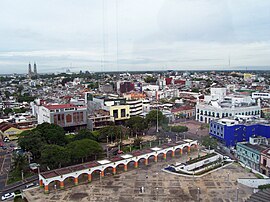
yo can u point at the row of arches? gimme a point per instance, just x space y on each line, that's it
111 169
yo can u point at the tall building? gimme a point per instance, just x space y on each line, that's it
30 73
29 70
35 69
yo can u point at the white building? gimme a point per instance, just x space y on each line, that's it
135 107
261 95
65 115
219 105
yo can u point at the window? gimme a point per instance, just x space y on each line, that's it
115 113
123 112
264 162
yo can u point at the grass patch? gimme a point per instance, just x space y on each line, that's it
200 158
259 176
265 186
19 199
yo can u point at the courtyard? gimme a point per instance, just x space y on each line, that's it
220 186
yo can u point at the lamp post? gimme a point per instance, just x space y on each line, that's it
157 193
107 147
157 117
22 175
100 177
198 194
237 189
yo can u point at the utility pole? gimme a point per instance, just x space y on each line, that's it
157 117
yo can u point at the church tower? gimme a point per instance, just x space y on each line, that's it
29 71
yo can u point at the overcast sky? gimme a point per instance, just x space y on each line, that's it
152 34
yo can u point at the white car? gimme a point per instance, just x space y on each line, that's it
7 196
30 185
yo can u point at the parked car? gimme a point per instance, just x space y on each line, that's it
7 196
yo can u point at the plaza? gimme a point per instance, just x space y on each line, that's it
157 186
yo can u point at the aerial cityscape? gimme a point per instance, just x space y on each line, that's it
134 101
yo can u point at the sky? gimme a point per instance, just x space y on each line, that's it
151 35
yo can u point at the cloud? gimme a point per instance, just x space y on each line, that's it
152 34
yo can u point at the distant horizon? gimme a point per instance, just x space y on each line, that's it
240 69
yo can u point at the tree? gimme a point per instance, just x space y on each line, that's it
7 111
150 79
82 149
19 162
209 141
85 134
137 142
137 124
151 117
32 142
54 156
179 129
52 133
112 132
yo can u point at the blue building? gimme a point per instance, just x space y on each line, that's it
230 131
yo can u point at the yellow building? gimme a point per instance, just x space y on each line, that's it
9 130
120 112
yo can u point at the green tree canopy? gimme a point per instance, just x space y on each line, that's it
209 141
83 149
113 133
179 129
152 116
85 134
150 79
54 156
137 124
19 162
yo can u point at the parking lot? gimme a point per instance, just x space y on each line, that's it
157 185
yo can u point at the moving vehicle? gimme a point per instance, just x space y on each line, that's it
7 196
30 185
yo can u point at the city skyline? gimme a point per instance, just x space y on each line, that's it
152 35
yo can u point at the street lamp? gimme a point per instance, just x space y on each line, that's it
157 193
237 189
22 175
100 177
107 147
198 193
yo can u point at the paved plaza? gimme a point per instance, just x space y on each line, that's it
218 186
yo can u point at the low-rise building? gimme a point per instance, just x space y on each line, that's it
68 116
184 112
249 153
238 129
219 105
265 162
100 119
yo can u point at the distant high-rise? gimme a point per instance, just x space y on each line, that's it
34 73
29 70
35 69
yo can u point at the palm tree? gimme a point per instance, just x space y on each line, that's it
19 162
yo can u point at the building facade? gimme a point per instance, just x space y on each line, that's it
265 162
135 107
249 155
219 105
231 131
68 116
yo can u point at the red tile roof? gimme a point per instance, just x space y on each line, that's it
182 108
